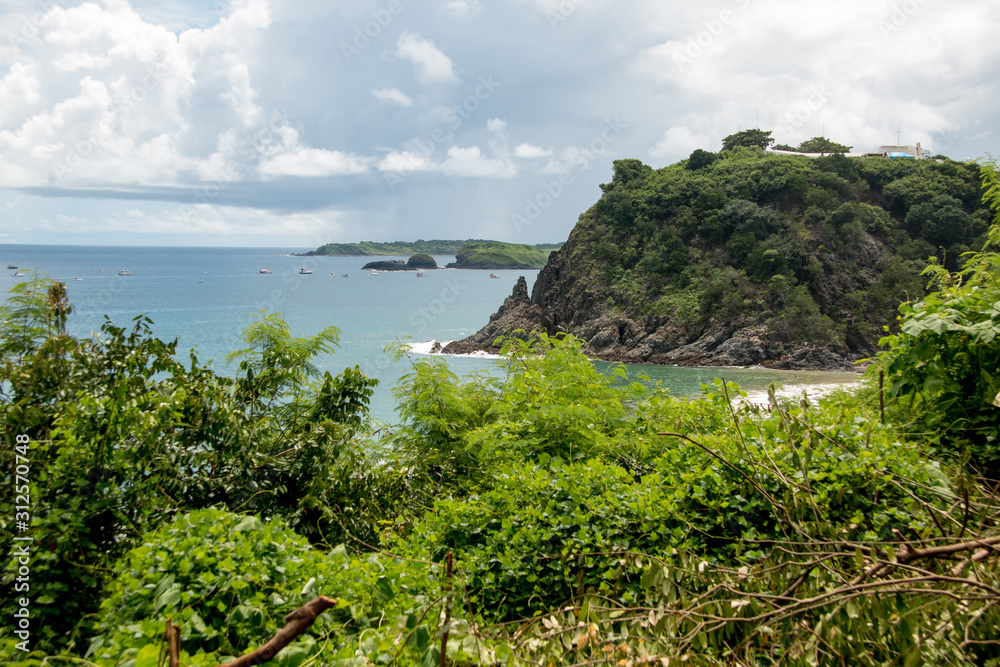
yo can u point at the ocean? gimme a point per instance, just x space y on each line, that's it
206 296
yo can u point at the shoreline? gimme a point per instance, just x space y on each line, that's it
816 383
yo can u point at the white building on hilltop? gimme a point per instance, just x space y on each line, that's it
904 151
891 152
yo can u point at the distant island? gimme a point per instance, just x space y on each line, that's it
417 262
406 248
479 255
497 255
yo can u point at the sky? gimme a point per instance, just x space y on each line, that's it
297 123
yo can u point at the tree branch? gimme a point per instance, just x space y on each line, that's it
296 623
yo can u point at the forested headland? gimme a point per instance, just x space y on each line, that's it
551 515
748 257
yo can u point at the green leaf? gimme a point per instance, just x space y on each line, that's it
385 589
197 624
169 599
148 656
249 523
165 583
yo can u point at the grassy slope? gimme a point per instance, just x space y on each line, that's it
494 252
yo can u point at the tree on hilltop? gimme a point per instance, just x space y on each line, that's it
758 138
822 145
701 158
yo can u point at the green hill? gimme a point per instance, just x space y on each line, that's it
497 255
755 258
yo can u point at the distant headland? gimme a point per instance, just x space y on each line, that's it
472 254
408 248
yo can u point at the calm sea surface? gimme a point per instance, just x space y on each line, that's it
206 296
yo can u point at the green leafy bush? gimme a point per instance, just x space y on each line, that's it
226 579
127 436
942 365
723 487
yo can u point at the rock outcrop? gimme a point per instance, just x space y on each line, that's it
517 317
619 338
422 261
387 265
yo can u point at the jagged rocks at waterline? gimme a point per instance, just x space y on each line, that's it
620 339
517 317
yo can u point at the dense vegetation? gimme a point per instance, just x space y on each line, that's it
406 248
548 515
813 251
497 255
816 145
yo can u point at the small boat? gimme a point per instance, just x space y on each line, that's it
77 278
12 266
17 274
100 270
421 274
126 272
304 272
345 276
493 275
264 271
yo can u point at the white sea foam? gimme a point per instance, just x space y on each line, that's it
477 355
426 347
795 391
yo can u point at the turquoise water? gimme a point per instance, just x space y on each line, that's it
206 296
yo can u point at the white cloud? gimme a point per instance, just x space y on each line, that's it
405 161
311 162
497 126
683 139
531 152
472 163
432 65
851 71
464 8
19 92
205 220
101 96
576 158
393 96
